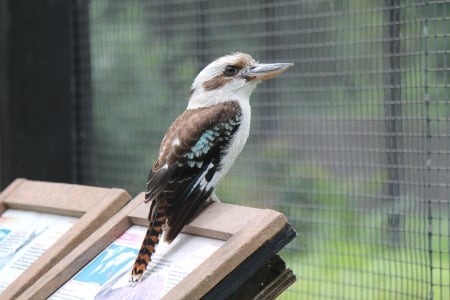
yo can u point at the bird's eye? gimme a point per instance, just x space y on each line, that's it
230 70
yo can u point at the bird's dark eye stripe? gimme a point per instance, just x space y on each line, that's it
231 70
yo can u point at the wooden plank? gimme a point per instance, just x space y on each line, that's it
104 204
46 285
240 246
221 221
218 220
57 198
7 192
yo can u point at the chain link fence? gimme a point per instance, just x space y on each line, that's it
352 144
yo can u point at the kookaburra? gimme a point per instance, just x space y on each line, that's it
200 147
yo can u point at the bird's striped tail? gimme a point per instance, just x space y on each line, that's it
149 243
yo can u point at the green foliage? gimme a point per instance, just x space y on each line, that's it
340 236
377 272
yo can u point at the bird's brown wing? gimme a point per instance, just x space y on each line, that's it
183 176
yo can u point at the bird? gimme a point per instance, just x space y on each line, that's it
200 147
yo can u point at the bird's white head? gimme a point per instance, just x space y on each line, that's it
231 77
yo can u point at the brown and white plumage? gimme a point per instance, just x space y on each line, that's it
200 147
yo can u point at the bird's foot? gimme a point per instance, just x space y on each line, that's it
134 278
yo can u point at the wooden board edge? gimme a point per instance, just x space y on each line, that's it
206 232
112 202
267 253
81 255
212 222
240 246
59 198
7 191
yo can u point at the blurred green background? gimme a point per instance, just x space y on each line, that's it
352 144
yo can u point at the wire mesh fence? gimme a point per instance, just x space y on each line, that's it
352 144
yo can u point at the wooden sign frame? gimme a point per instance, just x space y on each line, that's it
245 232
92 205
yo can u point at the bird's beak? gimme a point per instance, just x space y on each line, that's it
265 71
